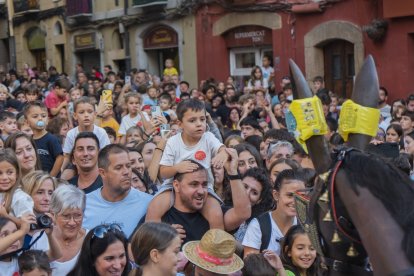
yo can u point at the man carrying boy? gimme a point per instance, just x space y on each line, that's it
57 99
8 124
48 145
190 195
194 143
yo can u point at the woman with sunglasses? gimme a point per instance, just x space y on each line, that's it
104 252
67 205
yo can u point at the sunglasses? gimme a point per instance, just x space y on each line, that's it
101 230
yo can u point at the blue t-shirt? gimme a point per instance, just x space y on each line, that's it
127 212
48 148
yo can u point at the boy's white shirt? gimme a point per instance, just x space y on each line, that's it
203 152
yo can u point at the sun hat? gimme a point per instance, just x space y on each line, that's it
214 253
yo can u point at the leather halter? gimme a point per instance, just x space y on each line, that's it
340 158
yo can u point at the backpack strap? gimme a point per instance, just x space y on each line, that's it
266 229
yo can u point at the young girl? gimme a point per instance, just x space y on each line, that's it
15 202
155 248
298 254
75 94
34 262
134 116
281 219
393 134
10 238
259 191
256 80
134 134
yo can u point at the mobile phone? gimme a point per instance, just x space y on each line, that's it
155 111
107 96
127 79
164 129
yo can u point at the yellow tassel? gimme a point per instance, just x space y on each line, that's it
336 238
328 216
324 197
352 251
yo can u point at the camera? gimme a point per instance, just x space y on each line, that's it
42 222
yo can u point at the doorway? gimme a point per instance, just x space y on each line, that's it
40 58
339 66
156 59
89 59
60 48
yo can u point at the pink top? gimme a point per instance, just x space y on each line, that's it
53 101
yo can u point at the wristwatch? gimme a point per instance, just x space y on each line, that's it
235 177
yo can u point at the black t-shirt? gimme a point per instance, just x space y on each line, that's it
97 184
195 225
48 148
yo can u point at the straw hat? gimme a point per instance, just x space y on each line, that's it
214 253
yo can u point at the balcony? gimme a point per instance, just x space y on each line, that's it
79 9
26 6
148 3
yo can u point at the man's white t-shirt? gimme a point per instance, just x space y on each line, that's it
253 236
128 122
176 151
71 136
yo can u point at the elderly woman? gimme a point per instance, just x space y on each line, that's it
67 205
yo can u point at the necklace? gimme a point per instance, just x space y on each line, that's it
69 243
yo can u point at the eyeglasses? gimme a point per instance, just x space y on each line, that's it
76 217
101 230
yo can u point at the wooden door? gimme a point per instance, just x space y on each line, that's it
40 56
339 67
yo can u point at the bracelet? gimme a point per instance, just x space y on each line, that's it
159 149
235 177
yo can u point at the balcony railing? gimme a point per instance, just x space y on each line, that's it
147 3
23 6
81 8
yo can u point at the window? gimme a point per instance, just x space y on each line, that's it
242 60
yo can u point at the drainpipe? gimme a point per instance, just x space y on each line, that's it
12 42
126 43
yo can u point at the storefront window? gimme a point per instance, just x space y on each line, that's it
242 60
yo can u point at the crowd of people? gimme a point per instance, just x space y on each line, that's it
102 174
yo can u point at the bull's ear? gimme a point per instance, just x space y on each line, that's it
365 93
301 88
317 145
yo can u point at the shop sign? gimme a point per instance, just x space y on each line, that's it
248 36
160 37
85 41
